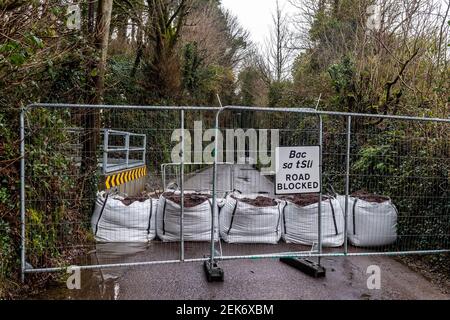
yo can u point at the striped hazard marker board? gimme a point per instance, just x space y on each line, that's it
119 178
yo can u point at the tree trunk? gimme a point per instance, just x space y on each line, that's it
91 10
101 41
139 46
91 117
122 32
133 32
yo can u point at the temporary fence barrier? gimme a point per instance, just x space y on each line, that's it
382 185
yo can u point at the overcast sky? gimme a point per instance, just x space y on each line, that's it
256 15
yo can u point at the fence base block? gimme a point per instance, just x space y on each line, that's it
213 272
309 267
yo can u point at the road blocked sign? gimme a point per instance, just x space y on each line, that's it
297 170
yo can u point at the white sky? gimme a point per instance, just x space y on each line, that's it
256 15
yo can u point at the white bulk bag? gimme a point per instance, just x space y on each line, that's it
370 224
241 222
300 224
196 222
113 221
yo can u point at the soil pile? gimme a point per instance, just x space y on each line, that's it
144 196
370 197
190 199
304 200
259 201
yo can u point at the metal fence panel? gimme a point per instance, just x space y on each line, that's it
249 140
56 212
405 159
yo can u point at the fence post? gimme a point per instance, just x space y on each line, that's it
105 150
22 193
213 272
163 176
182 187
321 188
145 149
347 183
127 146
214 190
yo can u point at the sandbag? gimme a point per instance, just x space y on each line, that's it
196 222
300 223
370 224
242 222
114 221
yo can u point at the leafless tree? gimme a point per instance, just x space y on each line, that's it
218 34
277 52
405 55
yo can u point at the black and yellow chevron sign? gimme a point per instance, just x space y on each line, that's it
119 178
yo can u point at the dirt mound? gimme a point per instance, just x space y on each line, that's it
369 197
144 196
190 199
304 200
259 201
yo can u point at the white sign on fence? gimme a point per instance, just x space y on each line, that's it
297 170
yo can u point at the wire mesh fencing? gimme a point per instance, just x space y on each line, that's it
399 184
121 186
93 177
384 187
252 218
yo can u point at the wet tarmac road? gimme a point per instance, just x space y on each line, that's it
244 279
271 279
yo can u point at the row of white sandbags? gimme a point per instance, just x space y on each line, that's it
370 224
114 221
142 221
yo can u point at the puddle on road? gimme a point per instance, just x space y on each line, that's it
98 283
